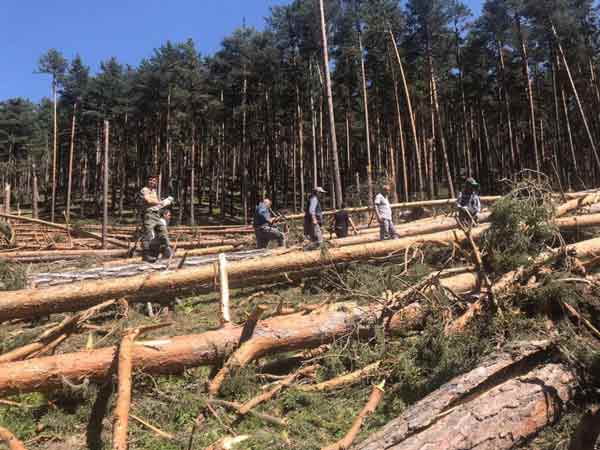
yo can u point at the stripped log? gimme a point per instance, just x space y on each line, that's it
33 303
10 440
369 409
496 406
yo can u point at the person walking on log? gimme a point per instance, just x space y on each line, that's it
153 225
313 219
341 222
383 211
264 226
468 202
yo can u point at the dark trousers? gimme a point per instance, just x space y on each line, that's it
267 233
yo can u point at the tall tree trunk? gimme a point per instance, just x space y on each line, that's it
334 146
413 125
529 92
438 118
301 146
576 94
54 148
34 192
105 189
71 153
366 110
192 193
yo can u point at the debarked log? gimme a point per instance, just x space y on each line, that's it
31 303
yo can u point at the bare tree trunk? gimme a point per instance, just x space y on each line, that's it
70 175
576 94
413 125
334 146
367 129
54 149
105 183
301 146
193 177
529 92
34 192
6 198
313 115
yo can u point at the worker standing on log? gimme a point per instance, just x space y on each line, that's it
154 227
264 226
313 219
468 202
341 222
383 211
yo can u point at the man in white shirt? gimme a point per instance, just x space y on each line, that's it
383 211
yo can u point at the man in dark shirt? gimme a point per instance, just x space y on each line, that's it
341 222
313 219
264 226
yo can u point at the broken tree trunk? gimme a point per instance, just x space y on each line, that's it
10 440
121 422
498 405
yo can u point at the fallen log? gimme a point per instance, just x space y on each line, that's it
65 228
500 418
369 409
121 420
10 440
498 405
343 380
33 303
172 355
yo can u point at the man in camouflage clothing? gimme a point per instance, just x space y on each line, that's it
154 227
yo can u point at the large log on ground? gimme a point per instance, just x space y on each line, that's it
74 297
499 418
31 303
172 355
495 407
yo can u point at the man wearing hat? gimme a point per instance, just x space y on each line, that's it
468 202
153 225
313 219
383 212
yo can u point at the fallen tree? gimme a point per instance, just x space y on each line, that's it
74 297
173 355
65 228
502 410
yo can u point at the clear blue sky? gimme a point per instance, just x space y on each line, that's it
126 29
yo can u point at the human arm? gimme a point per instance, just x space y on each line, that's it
312 210
378 200
352 225
476 204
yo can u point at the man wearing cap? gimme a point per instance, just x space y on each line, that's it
264 226
468 202
153 225
313 219
383 211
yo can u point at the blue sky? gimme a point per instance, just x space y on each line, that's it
126 29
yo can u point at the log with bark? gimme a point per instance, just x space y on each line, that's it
65 228
173 355
496 406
